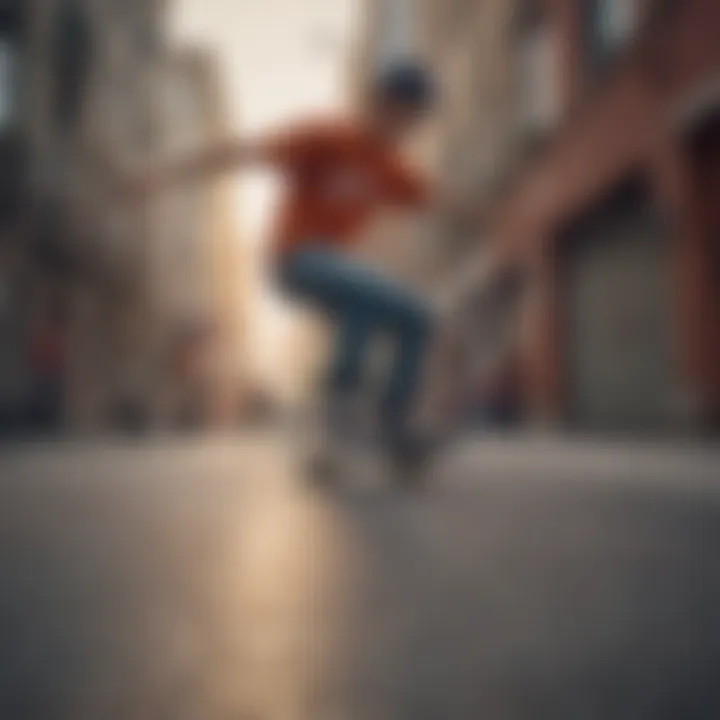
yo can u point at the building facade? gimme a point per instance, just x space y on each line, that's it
79 83
68 267
469 147
90 79
196 264
609 221
586 135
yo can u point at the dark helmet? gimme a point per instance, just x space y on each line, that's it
408 83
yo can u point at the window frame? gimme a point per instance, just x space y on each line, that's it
398 31
537 76
10 81
72 59
603 39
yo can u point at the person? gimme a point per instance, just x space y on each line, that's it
340 172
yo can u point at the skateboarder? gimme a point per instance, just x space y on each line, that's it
338 173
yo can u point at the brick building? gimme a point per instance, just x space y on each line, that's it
610 220
587 135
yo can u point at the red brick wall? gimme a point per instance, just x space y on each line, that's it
700 256
541 353
624 126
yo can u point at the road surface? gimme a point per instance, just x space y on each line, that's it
200 580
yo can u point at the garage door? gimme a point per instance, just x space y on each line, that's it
621 369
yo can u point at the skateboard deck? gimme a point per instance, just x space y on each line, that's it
329 453
335 460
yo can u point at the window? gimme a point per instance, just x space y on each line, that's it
9 85
617 20
72 56
610 25
538 79
397 30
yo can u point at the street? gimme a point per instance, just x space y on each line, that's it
201 579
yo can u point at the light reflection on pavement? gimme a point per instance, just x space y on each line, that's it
203 580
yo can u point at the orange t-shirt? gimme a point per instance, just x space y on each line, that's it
338 176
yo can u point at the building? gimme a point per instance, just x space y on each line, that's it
586 135
79 84
609 221
474 146
470 147
13 379
64 65
88 76
196 262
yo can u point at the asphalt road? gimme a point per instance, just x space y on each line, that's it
203 580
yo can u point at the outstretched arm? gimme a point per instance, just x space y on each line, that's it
211 161
286 149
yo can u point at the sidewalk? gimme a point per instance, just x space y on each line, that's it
536 454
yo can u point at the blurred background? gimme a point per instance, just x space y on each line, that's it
563 561
586 133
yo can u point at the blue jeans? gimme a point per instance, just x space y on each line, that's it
363 305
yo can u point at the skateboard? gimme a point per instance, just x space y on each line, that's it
334 457
335 448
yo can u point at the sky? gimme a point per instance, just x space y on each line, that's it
278 59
